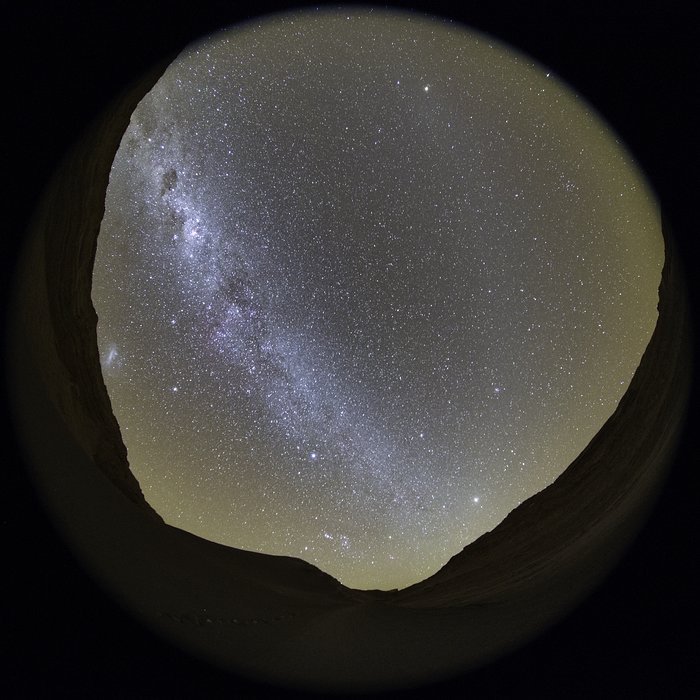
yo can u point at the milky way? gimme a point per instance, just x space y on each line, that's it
365 283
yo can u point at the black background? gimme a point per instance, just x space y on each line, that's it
637 634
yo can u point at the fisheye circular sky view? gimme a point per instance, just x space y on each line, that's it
366 281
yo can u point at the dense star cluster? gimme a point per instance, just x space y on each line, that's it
365 282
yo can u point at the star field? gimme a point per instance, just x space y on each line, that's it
365 282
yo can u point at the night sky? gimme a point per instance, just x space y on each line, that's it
366 282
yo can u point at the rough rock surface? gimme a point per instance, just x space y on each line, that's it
600 491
